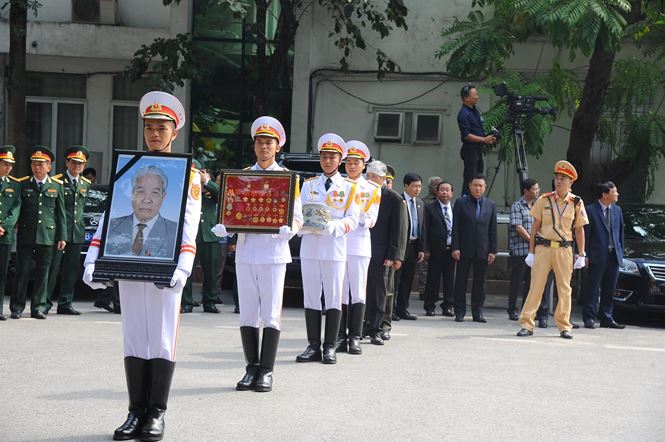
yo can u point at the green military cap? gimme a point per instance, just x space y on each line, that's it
77 153
391 172
41 153
198 164
7 153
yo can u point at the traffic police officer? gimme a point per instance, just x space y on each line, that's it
557 216
323 256
261 268
206 247
150 315
10 207
358 249
76 188
42 224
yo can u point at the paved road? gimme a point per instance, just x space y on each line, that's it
63 380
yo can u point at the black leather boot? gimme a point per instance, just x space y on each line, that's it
342 336
313 323
268 354
330 338
250 346
161 375
356 316
136 373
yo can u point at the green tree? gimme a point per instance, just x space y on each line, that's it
171 61
479 47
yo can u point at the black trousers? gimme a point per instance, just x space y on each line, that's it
404 278
440 264
520 281
478 288
474 163
377 280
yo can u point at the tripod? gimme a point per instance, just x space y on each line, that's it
520 151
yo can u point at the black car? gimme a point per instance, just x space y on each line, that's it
641 283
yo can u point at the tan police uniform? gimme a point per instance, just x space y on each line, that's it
554 250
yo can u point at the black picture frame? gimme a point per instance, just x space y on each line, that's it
264 215
133 198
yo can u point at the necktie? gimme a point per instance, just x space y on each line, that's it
74 183
40 185
137 245
449 224
477 210
414 219
608 220
328 183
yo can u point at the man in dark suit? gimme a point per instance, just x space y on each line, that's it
437 239
473 244
413 184
145 232
387 250
604 248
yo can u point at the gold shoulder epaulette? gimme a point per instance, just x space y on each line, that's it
85 180
247 168
373 183
57 176
57 180
18 180
310 179
349 180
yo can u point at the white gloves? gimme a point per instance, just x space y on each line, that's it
220 231
87 277
580 262
330 229
285 233
179 280
529 259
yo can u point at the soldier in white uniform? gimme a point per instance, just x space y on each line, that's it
358 249
150 315
260 270
323 255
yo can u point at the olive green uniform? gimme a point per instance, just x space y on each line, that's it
76 196
41 224
10 207
207 249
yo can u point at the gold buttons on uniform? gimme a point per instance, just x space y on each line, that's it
39 221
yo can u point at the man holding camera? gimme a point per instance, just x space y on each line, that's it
473 136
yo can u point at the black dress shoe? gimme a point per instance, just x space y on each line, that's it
429 313
311 354
589 324
212 308
196 304
394 317
524 332
542 323
153 429
38 315
384 335
408 316
329 356
186 309
248 382
67 310
512 315
566 335
479 318
459 318
574 325
3 317
132 427
104 305
612 324
354 346
16 315
236 310
375 339
447 312
264 380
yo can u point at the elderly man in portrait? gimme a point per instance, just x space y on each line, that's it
145 232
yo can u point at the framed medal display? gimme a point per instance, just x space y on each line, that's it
256 201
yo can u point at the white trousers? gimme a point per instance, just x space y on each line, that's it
327 274
355 279
150 319
260 294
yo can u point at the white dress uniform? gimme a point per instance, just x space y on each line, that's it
323 256
260 269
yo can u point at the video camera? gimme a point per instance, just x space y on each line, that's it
522 105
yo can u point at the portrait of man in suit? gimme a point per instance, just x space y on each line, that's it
144 232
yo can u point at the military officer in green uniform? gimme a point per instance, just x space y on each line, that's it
10 206
76 188
207 245
42 225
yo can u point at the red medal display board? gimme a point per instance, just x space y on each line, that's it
257 202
